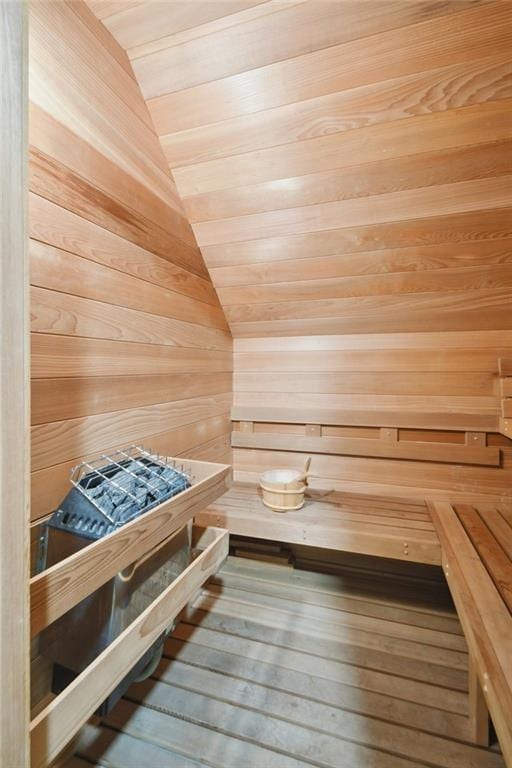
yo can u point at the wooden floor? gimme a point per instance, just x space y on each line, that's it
275 667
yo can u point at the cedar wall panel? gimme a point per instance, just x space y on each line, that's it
129 342
347 170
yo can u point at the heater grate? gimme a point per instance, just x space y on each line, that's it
116 488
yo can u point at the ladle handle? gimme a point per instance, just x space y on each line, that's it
304 475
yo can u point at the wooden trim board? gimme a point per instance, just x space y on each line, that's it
59 588
62 718
486 621
473 422
333 526
385 448
14 388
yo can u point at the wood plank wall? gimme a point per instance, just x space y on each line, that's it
129 343
346 167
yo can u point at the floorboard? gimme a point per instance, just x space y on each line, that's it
277 667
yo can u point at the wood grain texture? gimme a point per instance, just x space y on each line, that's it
484 613
63 717
259 674
285 34
14 392
397 52
57 590
206 440
327 524
346 170
124 315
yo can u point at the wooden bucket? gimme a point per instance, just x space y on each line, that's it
283 489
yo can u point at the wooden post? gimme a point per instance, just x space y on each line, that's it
14 453
478 712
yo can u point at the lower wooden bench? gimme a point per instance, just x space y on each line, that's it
370 525
477 560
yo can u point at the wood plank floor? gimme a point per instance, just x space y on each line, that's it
276 667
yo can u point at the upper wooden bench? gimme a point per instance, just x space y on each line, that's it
477 560
370 525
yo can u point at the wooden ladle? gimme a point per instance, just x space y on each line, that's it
305 473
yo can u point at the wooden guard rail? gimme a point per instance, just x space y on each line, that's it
505 370
51 730
64 585
388 445
479 574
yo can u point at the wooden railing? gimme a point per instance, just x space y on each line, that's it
505 369
65 584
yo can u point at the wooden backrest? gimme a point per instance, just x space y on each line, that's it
362 433
505 380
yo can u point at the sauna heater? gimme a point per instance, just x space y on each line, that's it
108 493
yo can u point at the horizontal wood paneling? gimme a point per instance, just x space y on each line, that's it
198 440
346 169
454 86
64 229
382 176
397 52
418 134
86 94
346 473
133 26
68 315
286 34
467 228
412 259
61 399
64 357
366 383
129 340
64 272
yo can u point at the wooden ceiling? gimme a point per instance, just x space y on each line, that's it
345 164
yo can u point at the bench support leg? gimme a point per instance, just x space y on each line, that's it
478 712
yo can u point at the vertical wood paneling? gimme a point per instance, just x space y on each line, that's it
14 392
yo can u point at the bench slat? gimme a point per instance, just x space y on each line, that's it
355 525
484 615
493 556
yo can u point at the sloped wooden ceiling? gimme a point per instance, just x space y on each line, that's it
346 167
317 144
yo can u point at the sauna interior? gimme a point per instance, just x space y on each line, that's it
243 237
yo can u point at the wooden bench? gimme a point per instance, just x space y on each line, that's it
477 560
369 525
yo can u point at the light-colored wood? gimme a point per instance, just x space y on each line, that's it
62 718
61 271
431 44
478 712
484 615
385 417
14 389
333 526
59 588
119 286
288 33
193 441
250 680
386 448
346 171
